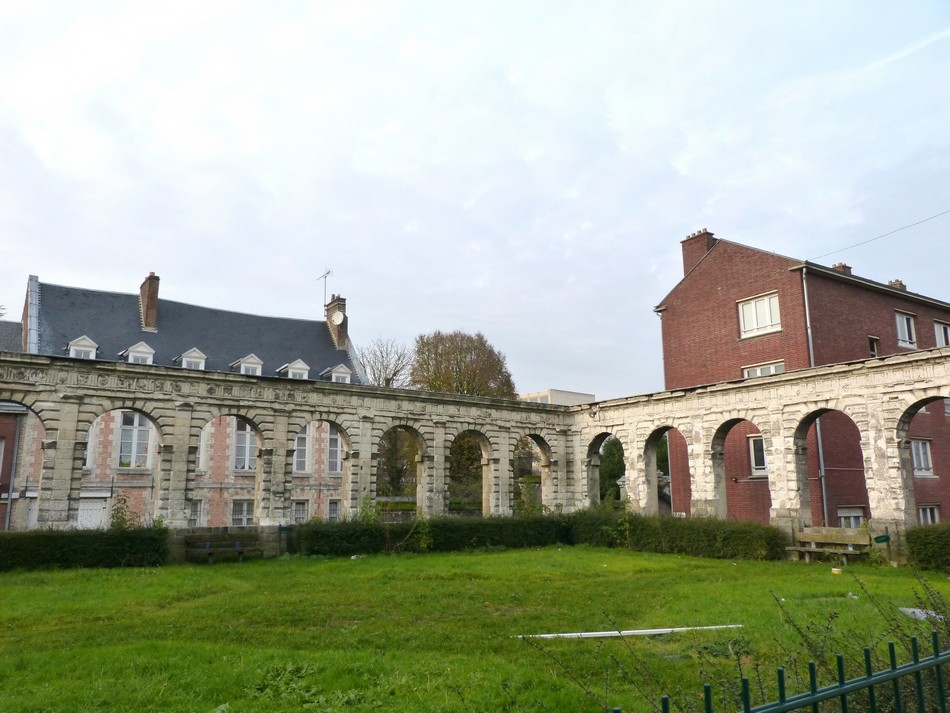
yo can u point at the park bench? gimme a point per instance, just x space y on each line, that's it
842 542
222 547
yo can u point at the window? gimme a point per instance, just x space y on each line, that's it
300 511
141 353
300 452
757 456
906 334
339 374
759 315
928 514
249 365
295 370
245 447
920 456
242 513
198 458
93 513
333 513
334 462
133 441
942 331
774 367
874 345
850 517
194 514
83 348
250 370
192 359
341 378
194 364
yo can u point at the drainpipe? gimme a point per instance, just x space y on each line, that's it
811 363
16 453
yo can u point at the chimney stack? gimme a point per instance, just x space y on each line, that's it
695 247
897 285
148 303
842 268
337 321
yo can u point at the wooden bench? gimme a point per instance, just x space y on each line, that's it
223 547
818 542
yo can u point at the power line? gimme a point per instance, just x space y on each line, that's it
871 240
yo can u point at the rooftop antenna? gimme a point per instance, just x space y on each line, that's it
324 277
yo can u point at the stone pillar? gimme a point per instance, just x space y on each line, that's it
273 485
788 478
502 467
172 507
62 461
360 485
434 500
708 476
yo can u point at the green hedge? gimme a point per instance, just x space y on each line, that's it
928 546
703 537
40 549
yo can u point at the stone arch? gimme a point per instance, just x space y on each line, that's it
596 480
397 477
923 454
317 469
666 463
22 433
469 474
740 470
532 486
829 450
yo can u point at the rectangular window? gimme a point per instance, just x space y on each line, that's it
333 513
774 367
140 359
300 453
245 447
133 441
297 374
198 453
928 514
920 456
242 513
852 517
906 334
874 345
334 462
250 369
82 353
194 364
341 378
942 332
300 512
757 456
759 315
194 514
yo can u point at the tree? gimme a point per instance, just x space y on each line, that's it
460 363
387 363
612 469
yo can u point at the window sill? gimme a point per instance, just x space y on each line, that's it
926 476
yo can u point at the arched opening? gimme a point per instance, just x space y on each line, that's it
666 460
398 473
318 458
21 466
227 464
830 461
606 469
469 478
924 434
118 468
531 475
741 472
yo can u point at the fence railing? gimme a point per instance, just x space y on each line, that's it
885 692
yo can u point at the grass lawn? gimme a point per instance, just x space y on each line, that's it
418 632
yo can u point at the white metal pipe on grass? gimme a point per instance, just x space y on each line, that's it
629 632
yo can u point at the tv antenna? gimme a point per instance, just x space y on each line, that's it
324 277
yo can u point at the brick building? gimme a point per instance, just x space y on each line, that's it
121 449
741 313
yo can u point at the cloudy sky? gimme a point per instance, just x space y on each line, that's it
524 169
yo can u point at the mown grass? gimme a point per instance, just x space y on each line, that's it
414 632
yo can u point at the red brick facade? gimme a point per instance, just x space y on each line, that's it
846 318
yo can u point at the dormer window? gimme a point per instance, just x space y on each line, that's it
249 365
192 359
295 370
339 374
141 353
83 348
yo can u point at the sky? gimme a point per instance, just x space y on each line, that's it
524 169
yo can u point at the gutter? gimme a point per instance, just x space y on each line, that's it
16 454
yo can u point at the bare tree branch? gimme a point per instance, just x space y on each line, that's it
387 363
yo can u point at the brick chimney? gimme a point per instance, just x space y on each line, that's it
897 285
695 248
842 268
337 321
148 303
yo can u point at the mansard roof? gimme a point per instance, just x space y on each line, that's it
10 337
114 321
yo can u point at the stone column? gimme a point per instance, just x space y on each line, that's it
273 473
62 462
175 465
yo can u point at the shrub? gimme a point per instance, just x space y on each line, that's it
37 549
928 546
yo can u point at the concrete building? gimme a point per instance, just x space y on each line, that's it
744 313
558 397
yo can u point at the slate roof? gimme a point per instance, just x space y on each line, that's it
10 337
113 321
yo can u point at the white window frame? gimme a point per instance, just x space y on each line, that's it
245 447
301 459
301 511
251 365
133 440
851 517
759 315
765 369
906 330
757 453
242 513
874 346
921 457
194 514
193 359
928 514
340 374
334 450
83 348
298 369
942 333
333 511
140 353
